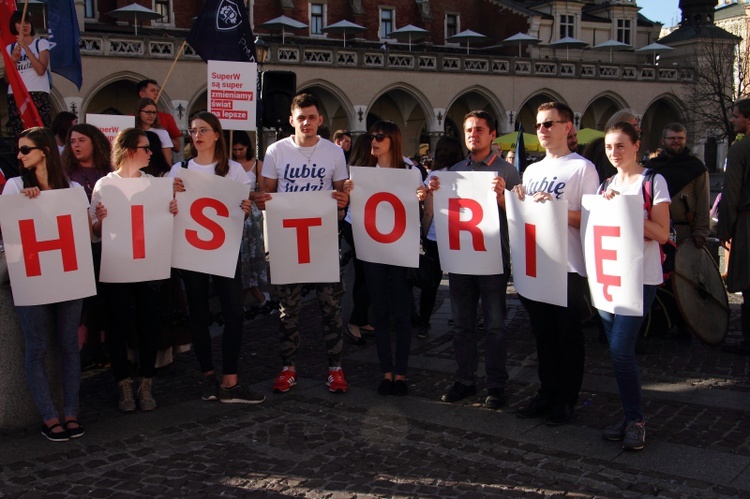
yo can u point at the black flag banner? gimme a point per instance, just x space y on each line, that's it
222 32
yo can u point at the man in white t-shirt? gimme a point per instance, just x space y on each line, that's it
561 175
306 162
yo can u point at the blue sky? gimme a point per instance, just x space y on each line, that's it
664 11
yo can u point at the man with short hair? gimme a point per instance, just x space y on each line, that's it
467 290
560 176
318 165
150 89
573 140
343 139
688 184
734 218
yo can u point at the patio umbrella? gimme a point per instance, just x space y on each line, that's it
611 45
408 33
520 39
467 36
654 48
342 27
509 141
282 23
134 11
586 135
569 43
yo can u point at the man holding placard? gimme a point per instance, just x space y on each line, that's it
300 163
466 290
560 176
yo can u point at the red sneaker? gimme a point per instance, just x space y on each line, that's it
285 381
336 382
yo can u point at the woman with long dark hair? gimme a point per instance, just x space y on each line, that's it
211 156
42 171
147 119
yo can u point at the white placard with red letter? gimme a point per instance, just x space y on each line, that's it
303 243
539 248
137 231
231 93
467 223
48 246
385 215
208 225
612 237
110 124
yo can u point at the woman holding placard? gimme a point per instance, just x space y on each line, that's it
211 157
621 145
390 293
42 171
131 302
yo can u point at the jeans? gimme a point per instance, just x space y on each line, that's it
560 343
360 315
133 304
622 334
37 322
391 301
229 291
465 293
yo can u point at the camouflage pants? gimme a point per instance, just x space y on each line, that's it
329 299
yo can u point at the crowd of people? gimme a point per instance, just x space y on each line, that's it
77 155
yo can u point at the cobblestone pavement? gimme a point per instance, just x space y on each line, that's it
312 443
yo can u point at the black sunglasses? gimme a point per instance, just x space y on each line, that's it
27 149
379 137
547 124
145 148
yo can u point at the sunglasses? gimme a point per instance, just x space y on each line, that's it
145 148
27 149
379 137
547 124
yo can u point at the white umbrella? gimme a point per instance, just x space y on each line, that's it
409 33
281 23
520 39
611 45
569 42
467 36
134 11
654 48
343 27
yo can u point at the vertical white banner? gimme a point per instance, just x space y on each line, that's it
467 223
303 243
208 225
48 246
612 237
385 215
232 88
137 231
539 248
110 124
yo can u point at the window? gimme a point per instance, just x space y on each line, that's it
386 22
452 25
624 29
567 25
316 18
163 7
89 12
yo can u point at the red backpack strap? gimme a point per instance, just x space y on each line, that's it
648 190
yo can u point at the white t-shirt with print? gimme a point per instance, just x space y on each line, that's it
96 198
33 81
652 270
567 178
236 172
299 169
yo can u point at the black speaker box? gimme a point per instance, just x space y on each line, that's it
278 88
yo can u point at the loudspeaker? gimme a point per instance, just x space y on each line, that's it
278 88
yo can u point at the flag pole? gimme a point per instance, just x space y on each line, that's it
25 10
164 83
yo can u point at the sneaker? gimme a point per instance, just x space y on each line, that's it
400 388
145 398
423 330
125 402
336 382
458 391
285 381
495 398
538 407
62 436
385 387
239 395
635 435
615 432
210 388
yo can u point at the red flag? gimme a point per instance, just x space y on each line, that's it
26 108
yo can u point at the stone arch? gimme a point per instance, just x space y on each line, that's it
198 102
527 111
600 109
409 109
470 99
661 110
116 94
338 110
